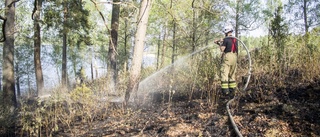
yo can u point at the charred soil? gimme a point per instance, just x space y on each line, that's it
260 112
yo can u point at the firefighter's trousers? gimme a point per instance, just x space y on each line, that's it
228 71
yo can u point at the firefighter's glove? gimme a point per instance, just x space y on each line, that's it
218 42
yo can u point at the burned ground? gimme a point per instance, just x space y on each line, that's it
290 111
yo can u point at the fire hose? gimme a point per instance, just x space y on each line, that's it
234 125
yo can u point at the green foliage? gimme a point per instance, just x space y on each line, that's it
244 14
186 25
207 66
68 16
57 10
206 75
297 8
279 32
145 72
7 119
24 67
81 94
36 115
315 40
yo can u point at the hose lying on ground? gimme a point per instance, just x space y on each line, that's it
242 90
232 120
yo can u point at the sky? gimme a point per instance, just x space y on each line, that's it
258 32
261 31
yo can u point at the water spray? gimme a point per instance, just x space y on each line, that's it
161 80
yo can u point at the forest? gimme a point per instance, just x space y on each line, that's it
151 68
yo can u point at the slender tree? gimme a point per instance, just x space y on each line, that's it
181 30
126 33
164 45
135 69
174 42
17 71
194 26
158 52
306 14
159 24
37 46
74 18
246 15
279 33
113 44
64 44
237 18
24 68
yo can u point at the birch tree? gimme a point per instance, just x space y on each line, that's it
135 69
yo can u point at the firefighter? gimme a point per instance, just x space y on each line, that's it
229 48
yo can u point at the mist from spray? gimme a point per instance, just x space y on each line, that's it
184 75
175 77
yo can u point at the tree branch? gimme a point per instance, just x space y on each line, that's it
104 20
5 20
34 9
3 29
10 5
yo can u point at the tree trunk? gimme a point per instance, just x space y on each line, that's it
29 82
64 50
208 36
306 27
37 48
158 51
237 18
164 46
173 43
91 65
113 44
9 95
9 101
64 61
126 36
17 80
1 78
194 30
135 69
305 17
